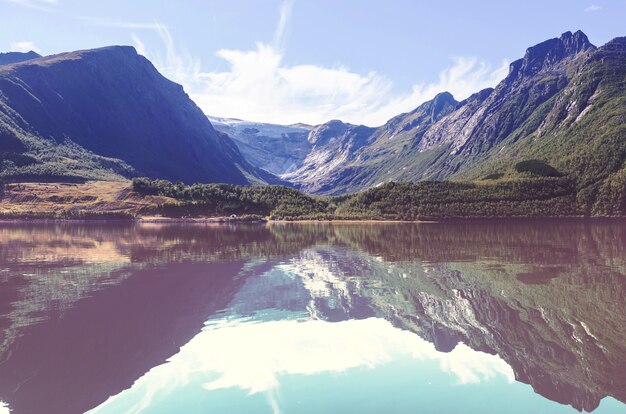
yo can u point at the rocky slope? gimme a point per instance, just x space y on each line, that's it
333 144
107 114
562 103
278 149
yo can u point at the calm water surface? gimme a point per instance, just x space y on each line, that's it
524 317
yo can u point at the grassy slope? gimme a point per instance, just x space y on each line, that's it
93 199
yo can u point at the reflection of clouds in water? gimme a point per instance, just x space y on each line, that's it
473 367
252 356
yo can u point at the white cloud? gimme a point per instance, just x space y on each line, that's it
24 46
259 86
593 8
139 45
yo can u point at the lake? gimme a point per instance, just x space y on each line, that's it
469 317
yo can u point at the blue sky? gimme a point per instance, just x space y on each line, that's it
288 61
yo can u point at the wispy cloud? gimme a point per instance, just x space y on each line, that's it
24 46
43 5
593 8
257 85
279 33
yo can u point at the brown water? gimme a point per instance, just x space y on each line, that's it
524 317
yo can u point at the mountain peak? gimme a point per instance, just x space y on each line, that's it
443 97
105 52
548 53
324 132
17 57
441 104
576 42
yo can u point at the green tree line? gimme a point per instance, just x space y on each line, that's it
525 197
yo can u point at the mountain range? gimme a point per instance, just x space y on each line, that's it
562 104
108 114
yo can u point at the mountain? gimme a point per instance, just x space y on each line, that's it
336 162
332 144
108 114
560 110
16 57
278 149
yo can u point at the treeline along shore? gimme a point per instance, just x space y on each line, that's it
154 199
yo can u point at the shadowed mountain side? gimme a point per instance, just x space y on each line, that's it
107 113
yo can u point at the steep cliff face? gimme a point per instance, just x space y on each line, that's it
531 82
108 113
562 103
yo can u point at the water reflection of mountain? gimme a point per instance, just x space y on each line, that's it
547 297
91 308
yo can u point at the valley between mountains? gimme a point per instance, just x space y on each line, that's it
102 134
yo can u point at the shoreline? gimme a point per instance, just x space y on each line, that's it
229 220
